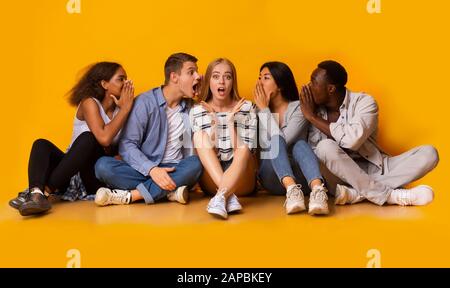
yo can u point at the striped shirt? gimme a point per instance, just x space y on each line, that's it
245 123
173 152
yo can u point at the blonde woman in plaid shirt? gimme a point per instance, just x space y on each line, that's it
224 127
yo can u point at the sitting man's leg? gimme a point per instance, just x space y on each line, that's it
119 176
344 167
380 188
186 173
408 167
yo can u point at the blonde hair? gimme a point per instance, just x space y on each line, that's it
206 93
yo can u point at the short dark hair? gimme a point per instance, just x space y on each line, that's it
284 79
175 62
336 73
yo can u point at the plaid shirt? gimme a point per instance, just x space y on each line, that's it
245 121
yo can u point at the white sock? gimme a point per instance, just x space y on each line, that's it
37 190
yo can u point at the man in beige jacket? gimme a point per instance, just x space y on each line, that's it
343 134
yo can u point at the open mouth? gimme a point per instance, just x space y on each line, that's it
221 91
196 89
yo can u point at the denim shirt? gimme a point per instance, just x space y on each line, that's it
144 136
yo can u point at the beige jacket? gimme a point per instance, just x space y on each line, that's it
355 130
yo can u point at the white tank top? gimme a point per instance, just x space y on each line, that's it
81 126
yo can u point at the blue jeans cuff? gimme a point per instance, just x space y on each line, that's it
145 193
286 175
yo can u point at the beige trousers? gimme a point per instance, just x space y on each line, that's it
367 179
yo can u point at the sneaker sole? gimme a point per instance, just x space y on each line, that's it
296 209
217 213
235 210
318 211
32 210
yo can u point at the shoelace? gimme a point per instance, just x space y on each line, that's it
119 196
217 200
404 197
23 195
26 196
294 194
319 194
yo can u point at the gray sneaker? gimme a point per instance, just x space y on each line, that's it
318 201
295 201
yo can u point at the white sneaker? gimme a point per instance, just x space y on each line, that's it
233 204
181 195
295 202
217 205
318 201
346 195
417 196
106 196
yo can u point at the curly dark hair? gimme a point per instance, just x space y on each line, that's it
90 84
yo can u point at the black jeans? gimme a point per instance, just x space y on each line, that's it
49 166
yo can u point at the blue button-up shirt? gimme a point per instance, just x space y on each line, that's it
144 136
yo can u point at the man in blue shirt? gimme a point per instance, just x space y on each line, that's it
155 145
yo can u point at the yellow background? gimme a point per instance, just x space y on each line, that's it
399 56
